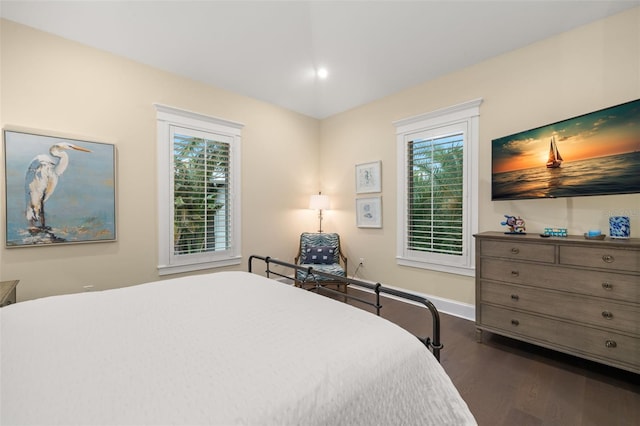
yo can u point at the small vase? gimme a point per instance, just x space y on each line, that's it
619 227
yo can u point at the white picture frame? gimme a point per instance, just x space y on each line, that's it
369 212
368 177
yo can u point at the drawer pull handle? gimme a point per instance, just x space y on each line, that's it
516 297
607 258
607 286
515 250
608 315
515 273
515 322
610 344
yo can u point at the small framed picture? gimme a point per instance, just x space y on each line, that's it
368 177
369 212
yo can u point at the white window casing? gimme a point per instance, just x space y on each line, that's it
458 123
224 249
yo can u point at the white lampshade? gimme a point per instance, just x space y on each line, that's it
319 202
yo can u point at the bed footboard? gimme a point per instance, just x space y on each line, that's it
432 343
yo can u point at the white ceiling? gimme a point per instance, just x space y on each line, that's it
269 49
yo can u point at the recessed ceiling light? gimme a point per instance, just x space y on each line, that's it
322 73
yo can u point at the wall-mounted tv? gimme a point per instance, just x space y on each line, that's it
592 154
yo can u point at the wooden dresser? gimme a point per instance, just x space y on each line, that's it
8 292
574 295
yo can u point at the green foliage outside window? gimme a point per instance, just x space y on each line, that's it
201 177
436 195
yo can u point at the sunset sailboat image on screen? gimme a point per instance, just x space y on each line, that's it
600 156
555 160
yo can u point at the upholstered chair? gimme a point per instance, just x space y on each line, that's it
322 252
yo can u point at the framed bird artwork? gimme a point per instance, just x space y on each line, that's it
58 190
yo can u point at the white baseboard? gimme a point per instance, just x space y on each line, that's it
453 307
446 306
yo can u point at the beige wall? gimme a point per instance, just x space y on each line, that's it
587 69
52 84
49 83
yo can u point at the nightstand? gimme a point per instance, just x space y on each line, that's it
8 292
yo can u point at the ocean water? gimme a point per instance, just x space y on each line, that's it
595 176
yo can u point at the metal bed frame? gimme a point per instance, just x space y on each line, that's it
432 343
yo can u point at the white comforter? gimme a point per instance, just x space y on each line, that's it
227 348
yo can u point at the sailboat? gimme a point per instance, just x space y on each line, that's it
555 159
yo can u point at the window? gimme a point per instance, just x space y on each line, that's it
198 191
438 189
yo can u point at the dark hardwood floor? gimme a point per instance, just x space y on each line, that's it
507 382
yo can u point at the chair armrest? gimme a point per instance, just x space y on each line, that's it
344 260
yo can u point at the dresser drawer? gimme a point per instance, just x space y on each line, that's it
518 250
601 257
607 346
609 285
588 310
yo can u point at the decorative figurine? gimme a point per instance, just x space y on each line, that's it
515 225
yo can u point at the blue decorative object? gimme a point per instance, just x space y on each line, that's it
619 227
515 224
555 232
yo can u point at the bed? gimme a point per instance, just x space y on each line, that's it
227 348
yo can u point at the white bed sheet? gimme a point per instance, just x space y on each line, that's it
228 348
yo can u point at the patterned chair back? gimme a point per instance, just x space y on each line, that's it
313 239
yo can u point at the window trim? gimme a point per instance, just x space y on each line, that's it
167 117
466 113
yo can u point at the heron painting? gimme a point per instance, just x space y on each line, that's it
59 190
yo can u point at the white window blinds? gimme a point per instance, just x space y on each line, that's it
435 194
201 187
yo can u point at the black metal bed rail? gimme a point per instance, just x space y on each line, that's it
432 343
